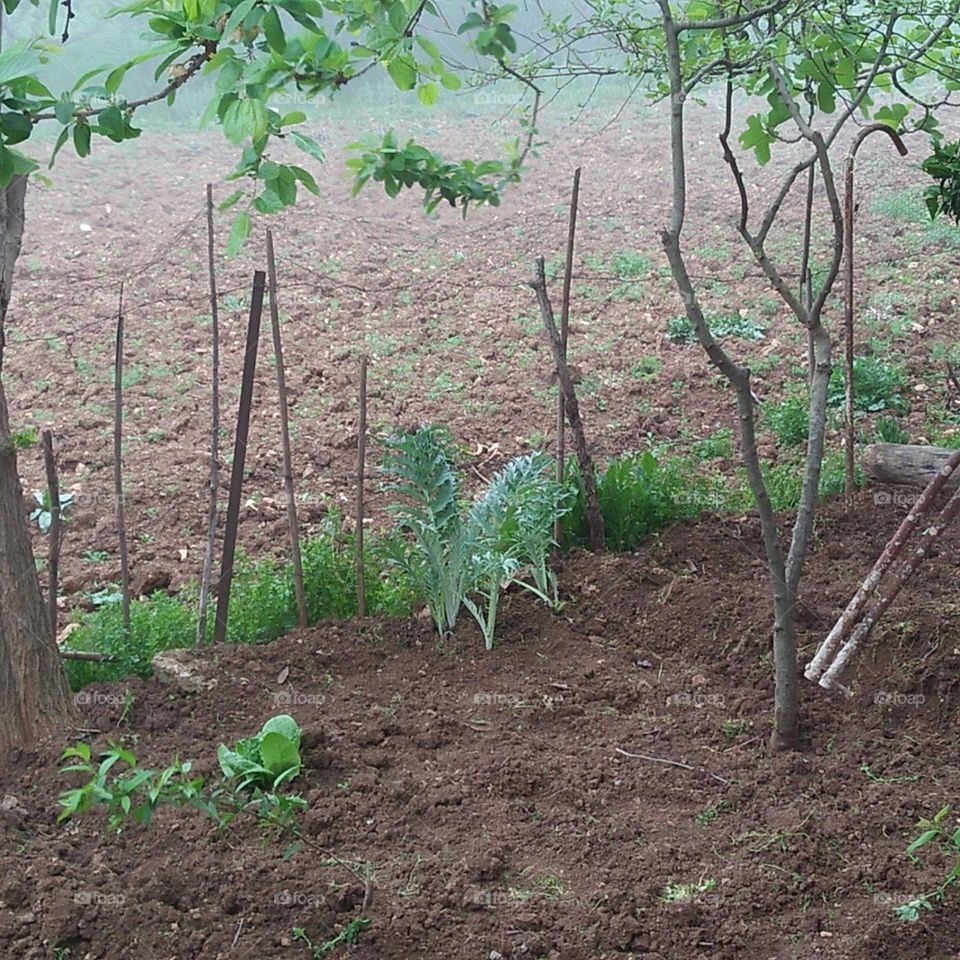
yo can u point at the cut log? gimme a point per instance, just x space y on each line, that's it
906 464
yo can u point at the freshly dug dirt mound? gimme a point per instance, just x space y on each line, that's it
598 786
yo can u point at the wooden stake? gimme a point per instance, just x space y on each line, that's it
56 527
118 467
564 336
587 476
292 520
361 466
239 458
214 428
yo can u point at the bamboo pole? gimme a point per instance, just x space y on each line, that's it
239 458
118 468
361 466
292 521
214 427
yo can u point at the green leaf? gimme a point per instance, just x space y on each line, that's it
81 139
245 118
403 72
238 233
428 93
16 62
236 18
308 145
273 30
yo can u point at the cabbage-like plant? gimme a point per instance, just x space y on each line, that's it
465 555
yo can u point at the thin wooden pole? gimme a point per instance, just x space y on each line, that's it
56 527
361 467
564 336
587 476
118 467
849 209
239 458
214 427
292 521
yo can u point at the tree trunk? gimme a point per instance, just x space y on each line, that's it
34 694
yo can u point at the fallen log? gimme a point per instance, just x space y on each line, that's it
906 464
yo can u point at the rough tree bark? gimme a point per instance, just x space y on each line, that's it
34 694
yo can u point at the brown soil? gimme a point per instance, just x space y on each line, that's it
488 794
439 303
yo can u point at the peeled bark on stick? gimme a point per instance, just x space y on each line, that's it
587 475
292 521
848 621
214 427
887 594
56 528
906 464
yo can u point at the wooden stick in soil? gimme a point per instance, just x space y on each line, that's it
587 476
239 458
292 520
886 596
118 468
849 209
852 615
214 427
56 527
564 335
87 655
361 466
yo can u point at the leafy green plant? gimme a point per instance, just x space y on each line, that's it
889 430
943 166
877 386
676 892
263 603
25 438
136 793
789 420
680 330
638 493
348 935
430 512
42 514
464 557
933 831
267 760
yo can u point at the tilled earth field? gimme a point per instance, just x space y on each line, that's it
439 304
598 786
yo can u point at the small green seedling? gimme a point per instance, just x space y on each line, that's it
677 892
268 760
42 514
936 831
349 935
